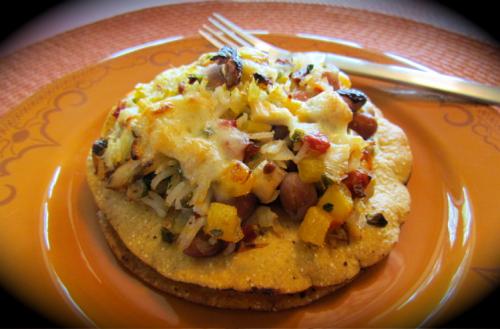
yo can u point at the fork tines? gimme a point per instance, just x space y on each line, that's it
224 32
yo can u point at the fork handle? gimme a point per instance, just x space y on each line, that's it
431 80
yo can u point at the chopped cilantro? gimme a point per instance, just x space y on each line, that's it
328 207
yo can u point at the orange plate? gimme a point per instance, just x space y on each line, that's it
55 258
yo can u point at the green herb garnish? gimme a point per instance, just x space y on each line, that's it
297 135
208 131
167 235
328 207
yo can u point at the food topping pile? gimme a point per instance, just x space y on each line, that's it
227 148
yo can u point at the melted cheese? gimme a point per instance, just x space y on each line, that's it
189 128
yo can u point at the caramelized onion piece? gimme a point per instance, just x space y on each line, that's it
353 97
230 65
296 196
99 147
364 124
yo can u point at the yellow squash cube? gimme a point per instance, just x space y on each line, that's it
235 180
337 203
311 169
315 226
223 222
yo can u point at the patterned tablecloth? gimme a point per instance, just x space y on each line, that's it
28 69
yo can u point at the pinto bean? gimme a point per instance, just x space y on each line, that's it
364 124
201 247
296 196
245 205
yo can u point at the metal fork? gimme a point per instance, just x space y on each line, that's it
224 32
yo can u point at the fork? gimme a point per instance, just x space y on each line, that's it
224 32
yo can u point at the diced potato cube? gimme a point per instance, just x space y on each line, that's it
315 226
337 202
223 222
266 181
235 180
311 169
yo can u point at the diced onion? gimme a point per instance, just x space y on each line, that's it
123 174
189 231
277 150
179 192
262 135
336 161
161 176
156 202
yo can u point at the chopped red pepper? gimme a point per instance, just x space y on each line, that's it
251 151
301 95
317 142
357 181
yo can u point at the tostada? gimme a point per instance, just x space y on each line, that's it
249 182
